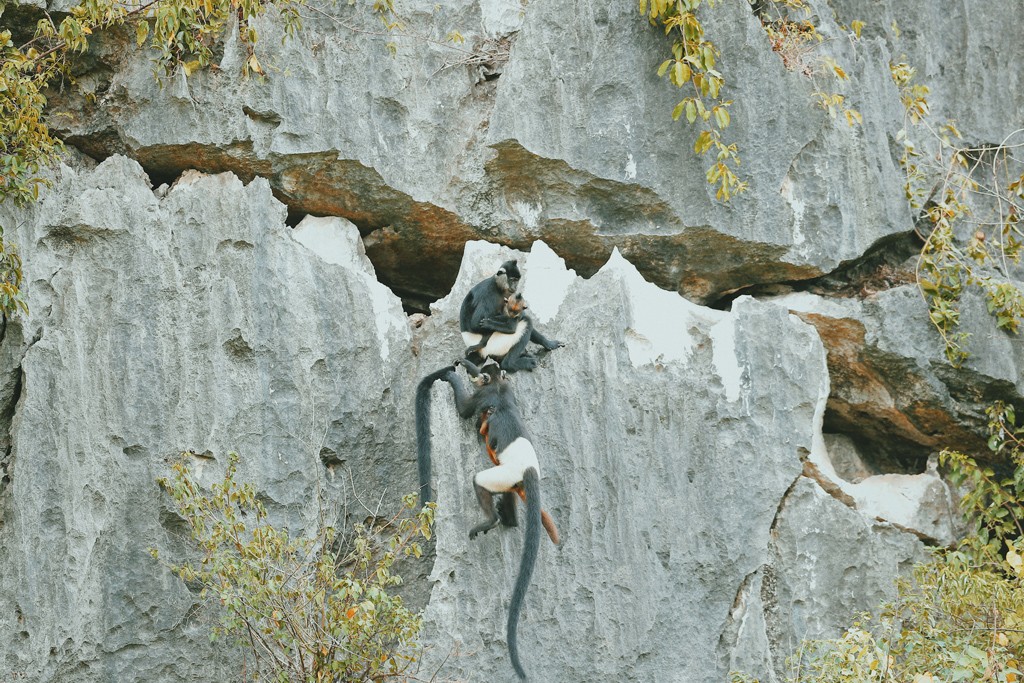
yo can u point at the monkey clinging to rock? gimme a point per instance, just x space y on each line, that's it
495 323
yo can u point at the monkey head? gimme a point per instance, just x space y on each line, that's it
477 375
481 380
515 305
493 371
507 277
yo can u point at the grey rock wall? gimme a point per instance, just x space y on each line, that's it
191 317
197 321
206 275
562 133
891 379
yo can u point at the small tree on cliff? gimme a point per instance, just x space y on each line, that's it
306 612
960 616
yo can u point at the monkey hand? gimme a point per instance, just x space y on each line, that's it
554 344
499 323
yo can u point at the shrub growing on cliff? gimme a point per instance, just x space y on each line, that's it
955 620
968 201
306 612
12 299
959 617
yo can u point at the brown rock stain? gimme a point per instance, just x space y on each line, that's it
875 404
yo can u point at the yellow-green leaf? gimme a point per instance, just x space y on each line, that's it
677 74
691 111
254 65
722 117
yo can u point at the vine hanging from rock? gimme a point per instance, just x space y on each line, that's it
968 201
692 67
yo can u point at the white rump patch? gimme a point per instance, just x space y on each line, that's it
500 343
518 457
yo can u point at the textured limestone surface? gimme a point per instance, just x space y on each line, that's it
196 321
191 317
891 384
550 122
208 273
828 560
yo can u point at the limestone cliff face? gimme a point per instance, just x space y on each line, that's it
206 274
563 134
672 438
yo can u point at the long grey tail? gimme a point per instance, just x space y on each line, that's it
531 482
423 452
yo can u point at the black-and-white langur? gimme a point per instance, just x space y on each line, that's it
495 324
484 430
487 297
506 504
424 448
513 309
494 402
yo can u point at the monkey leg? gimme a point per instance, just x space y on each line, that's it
507 509
502 479
486 500
518 358
550 344
475 343
514 362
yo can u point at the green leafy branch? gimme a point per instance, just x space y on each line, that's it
305 611
993 504
969 202
182 32
26 145
12 298
693 65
